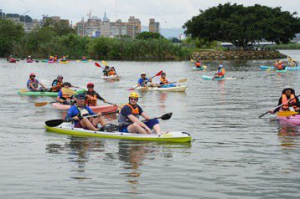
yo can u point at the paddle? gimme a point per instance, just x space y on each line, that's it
56 122
166 116
287 113
40 104
98 65
158 74
104 63
277 107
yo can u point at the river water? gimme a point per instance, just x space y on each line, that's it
234 154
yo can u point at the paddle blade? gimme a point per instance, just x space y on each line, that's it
39 104
68 91
158 74
166 116
54 123
104 63
205 67
23 90
98 65
182 80
286 113
192 60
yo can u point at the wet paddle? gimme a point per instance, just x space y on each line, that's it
277 107
158 74
56 122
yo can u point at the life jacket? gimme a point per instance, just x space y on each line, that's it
135 111
124 120
221 72
34 84
163 81
91 99
57 87
280 67
66 96
111 73
82 112
198 64
291 103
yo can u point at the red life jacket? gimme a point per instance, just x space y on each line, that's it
291 103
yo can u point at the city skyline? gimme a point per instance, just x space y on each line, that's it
169 13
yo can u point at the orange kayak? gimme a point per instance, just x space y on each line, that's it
96 109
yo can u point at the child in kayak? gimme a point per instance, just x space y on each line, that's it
57 84
33 84
78 112
106 71
129 118
164 81
289 101
198 64
220 72
92 96
63 96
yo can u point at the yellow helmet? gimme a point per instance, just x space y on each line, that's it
134 95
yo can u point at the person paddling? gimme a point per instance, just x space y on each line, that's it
83 58
57 84
129 118
288 93
33 84
164 81
11 59
63 96
111 72
198 64
29 58
220 72
92 96
106 71
79 110
64 59
51 59
143 81
281 65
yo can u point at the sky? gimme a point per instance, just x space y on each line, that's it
170 13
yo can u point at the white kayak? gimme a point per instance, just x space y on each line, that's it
66 128
179 88
112 77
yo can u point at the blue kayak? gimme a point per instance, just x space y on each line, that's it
273 68
211 78
195 68
168 86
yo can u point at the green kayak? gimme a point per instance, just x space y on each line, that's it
50 94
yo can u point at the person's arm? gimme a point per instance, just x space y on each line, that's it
100 98
59 97
133 119
32 87
279 103
297 103
90 111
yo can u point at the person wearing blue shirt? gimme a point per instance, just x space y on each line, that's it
79 111
65 97
129 118
143 80
33 84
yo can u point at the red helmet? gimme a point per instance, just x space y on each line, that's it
90 84
31 74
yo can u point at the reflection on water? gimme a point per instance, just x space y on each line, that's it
289 135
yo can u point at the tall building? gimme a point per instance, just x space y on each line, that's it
118 28
133 27
153 26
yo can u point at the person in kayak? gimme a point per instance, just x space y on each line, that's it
63 96
78 112
293 63
220 72
29 58
92 96
55 58
83 58
111 72
198 64
11 59
129 118
57 84
281 65
51 59
64 59
106 71
143 81
164 81
288 93
33 84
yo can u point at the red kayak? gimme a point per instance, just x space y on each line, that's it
12 61
96 109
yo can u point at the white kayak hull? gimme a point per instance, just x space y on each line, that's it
168 89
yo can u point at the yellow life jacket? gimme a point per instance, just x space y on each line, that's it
291 103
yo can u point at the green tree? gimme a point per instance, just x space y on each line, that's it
149 35
9 33
242 25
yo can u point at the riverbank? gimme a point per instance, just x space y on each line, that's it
237 55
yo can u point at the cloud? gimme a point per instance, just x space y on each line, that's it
170 13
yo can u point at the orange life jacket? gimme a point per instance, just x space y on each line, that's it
280 67
198 64
91 100
111 73
221 72
57 87
291 103
135 111
66 96
163 81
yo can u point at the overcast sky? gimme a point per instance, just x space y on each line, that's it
170 13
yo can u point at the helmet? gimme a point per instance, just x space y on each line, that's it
134 95
288 88
67 84
31 74
59 76
80 96
90 84
29 56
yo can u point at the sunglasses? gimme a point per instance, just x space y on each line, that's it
90 86
32 76
135 99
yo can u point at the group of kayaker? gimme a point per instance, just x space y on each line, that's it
143 81
281 65
109 71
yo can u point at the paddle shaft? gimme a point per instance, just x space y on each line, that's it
278 106
144 82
